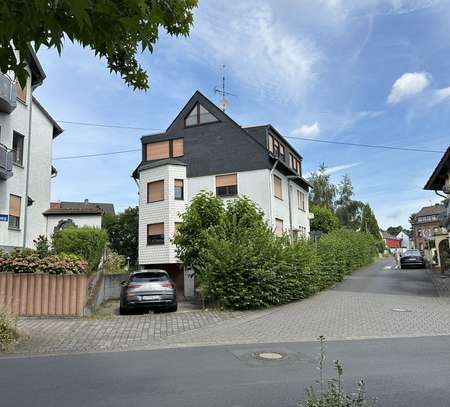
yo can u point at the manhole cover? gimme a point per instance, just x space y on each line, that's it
400 310
269 355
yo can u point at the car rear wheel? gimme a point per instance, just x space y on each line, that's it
172 308
123 311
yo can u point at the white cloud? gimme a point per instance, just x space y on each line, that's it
257 48
408 85
309 131
442 94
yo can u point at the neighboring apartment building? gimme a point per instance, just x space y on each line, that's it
204 149
78 214
26 136
427 223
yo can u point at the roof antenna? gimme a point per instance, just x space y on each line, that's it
223 104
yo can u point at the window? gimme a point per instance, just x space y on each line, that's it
15 204
301 200
226 185
21 93
179 189
199 115
282 155
294 163
17 146
155 234
276 148
279 229
270 144
277 187
177 147
158 150
155 191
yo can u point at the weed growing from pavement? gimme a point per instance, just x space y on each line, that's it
330 392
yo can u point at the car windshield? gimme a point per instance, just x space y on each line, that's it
412 253
148 277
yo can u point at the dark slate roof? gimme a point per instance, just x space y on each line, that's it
437 209
437 179
73 211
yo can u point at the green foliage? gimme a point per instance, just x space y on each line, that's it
114 30
369 225
323 191
394 230
205 211
29 261
330 392
42 246
114 263
87 242
413 218
8 330
239 263
123 230
324 219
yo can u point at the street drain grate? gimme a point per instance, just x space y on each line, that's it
269 355
400 310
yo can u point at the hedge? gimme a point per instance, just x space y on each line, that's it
87 242
29 261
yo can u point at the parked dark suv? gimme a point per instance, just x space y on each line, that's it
412 258
151 289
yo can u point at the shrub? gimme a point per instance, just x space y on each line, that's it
114 263
28 261
87 242
42 246
8 330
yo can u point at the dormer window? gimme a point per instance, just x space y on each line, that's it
199 115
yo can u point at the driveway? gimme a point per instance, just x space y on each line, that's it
376 302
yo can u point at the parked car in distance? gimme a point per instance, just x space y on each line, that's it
151 289
412 258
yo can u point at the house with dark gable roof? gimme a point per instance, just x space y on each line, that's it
205 149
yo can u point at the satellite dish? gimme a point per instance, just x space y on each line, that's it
223 104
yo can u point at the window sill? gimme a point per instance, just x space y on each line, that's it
155 244
18 165
228 196
280 199
14 229
160 200
179 199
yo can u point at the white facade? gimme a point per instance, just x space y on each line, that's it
31 178
52 221
256 185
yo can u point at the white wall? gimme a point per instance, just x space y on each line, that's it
17 120
40 174
51 221
166 211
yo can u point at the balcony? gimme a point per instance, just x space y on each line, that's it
7 94
5 163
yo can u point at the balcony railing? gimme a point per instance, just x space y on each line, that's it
6 165
7 94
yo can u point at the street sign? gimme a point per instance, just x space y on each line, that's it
3 218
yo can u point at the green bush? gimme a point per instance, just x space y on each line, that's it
29 261
8 330
87 242
114 263
239 263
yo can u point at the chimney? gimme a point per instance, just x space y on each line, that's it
55 205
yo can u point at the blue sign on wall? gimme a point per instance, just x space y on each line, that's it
3 218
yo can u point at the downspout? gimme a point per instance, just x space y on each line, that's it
290 209
27 180
271 192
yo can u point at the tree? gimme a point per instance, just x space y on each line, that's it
324 219
115 30
369 225
348 211
412 218
122 232
323 191
345 191
394 230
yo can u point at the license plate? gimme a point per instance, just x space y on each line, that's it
150 297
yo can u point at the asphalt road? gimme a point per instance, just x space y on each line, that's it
399 372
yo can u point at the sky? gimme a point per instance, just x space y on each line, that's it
356 71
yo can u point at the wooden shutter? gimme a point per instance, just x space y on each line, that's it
179 183
279 227
155 191
158 151
155 229
226 180
277 187
270 144
14 205
178 147
21 93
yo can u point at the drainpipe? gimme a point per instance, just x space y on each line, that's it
27 181
290 204
271 192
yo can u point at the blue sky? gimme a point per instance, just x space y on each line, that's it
373 72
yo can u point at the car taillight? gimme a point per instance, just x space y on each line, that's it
135 285
167 285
